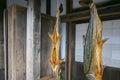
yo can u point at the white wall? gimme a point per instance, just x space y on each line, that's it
111 49
80 31
63 40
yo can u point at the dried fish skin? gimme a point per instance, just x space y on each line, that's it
93 66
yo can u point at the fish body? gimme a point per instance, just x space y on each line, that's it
55 38
93 66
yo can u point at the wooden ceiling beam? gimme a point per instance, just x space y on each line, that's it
106 12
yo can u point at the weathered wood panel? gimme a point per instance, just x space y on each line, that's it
70 56
33 40
17 43
5 22
20 44
1 48
47 24
1 42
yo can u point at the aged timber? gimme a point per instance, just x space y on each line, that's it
70 56
33 40
17 43
47 23
106 12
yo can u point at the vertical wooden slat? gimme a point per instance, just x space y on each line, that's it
47 27
37 38
5 23
16 43
10 43
33 40
20 43
1 41
1 47
70 56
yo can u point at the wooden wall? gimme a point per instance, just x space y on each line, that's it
47 24
1 48
1 42
33 50
16 43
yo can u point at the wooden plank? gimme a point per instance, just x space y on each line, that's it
33 40
5 23
1 47
20 44
17 43
70 58
1 41
47 27
107 12
11 70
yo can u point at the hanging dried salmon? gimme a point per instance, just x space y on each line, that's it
93 66
55 38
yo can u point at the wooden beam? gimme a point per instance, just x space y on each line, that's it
47 16
107 12
70 56
33 40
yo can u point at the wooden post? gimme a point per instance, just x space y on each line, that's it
16 43
5 23
69 6
33 40
70 50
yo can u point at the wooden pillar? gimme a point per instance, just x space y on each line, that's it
5 24
33 40
70 56
16 43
